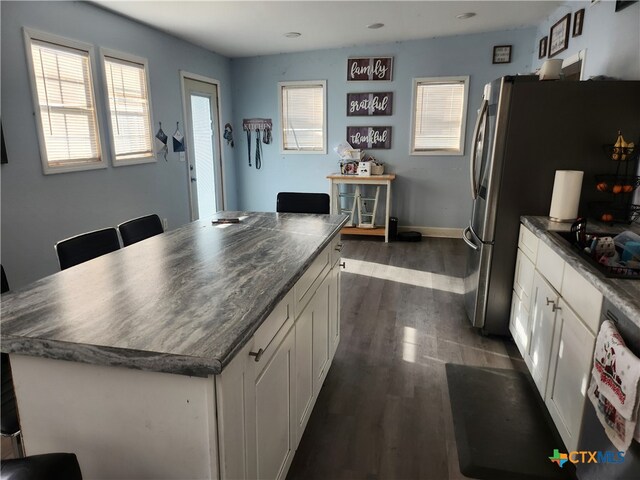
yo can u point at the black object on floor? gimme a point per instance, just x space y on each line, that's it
409 236
500 427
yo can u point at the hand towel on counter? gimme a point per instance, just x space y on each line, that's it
615 379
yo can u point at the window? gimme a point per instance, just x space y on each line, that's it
64 102
303 116
129 109
439 115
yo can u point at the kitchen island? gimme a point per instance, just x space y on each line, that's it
130 360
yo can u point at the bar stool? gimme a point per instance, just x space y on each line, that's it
87 246
294 202
133 231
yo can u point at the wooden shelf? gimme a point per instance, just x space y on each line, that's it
378 231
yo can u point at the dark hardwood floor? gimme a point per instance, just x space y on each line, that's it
384 412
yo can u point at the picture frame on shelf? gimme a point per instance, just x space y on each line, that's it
559 36
502 54
578 21
542 47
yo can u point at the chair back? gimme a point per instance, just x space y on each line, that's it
5 283
294 202
87 246
49 466
133 231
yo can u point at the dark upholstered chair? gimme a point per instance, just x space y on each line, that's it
10 425
138 229
86 246
49 466
293 202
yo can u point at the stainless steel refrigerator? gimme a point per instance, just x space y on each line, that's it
525 131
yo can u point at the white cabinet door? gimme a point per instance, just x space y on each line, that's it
521 302
270 411
523 278
519 324
334 312
543 304
569 374
321 339
304 368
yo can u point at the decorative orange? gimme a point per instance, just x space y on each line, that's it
606 217
602 186
627 188
616 188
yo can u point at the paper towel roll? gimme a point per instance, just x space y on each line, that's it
566 195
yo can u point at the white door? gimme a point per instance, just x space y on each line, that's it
203 147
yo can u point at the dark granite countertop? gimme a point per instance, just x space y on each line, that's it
623 293
182 302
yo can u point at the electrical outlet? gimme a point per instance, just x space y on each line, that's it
165 223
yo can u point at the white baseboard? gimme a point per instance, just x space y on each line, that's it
434 231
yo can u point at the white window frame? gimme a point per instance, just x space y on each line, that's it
127 57
48 169
322 83
441 151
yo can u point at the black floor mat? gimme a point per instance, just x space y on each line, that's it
500 427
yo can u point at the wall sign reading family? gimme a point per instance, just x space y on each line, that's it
369 137
374 68
369 104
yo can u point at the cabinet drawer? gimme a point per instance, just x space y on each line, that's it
528 243
550 265
274 322
304 288
583 297
336 249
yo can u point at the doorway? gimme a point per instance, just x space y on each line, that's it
200 97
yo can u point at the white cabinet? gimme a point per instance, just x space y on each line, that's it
265 396
555 314
544 303
270 411
569 374
521 301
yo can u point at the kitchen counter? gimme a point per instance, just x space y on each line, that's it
624 294
182 302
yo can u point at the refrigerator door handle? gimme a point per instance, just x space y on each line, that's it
474 150
465 237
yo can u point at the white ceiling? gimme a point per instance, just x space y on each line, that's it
249 28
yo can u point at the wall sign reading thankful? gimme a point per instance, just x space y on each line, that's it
375 68
369 137
369 104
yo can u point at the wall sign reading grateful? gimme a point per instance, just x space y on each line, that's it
369 137
374 68
368 104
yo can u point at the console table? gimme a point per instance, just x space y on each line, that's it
337 179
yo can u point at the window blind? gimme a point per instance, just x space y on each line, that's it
438 116
128 108
66 103
303 117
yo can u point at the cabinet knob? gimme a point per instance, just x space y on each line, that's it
257 354
338 247
551 302
555 308
343 265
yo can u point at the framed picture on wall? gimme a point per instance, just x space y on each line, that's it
542 47
578 20
559 36
502 54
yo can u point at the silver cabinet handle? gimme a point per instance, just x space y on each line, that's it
257 354
338 247
343 265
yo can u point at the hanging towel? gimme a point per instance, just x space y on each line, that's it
615 379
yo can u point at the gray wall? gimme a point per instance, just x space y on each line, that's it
612 39
430 191
38 210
